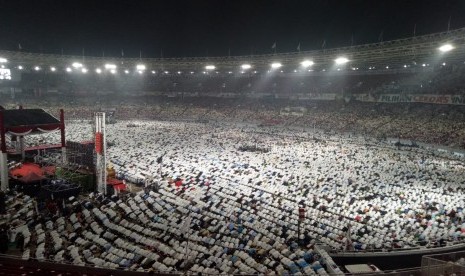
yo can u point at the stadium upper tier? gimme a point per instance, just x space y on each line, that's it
403 53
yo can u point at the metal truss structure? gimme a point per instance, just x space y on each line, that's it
395 53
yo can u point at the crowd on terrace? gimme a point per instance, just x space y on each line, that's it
415 79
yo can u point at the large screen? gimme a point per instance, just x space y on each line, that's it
5 74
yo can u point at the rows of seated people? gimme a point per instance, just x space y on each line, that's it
146 232
392 199
433 124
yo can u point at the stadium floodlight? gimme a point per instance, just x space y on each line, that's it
210 67
405 65
126 71
110 66
276 65
77 65
192 72
3 60
446 48
68 69
140 72
20 67
37 68
140 67
246 66
84 70
53 69
443 64
153 72
113 71
98 71
179 72
341 60
306 63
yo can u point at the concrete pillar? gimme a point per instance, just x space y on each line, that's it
22 148
3 156
4 171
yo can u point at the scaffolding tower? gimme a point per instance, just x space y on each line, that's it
100 151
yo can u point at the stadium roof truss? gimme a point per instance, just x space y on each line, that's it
395 52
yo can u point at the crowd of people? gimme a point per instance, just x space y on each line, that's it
217 208
427 123
413 79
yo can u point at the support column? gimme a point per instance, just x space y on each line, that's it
3 155
22 148
63 136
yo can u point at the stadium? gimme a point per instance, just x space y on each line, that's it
335 161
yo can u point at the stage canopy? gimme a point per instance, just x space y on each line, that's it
29 121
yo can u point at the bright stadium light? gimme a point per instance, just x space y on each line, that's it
306 63
3 60
246 66
179 72
126 71
341 60
140 67
110 66
68 69
210 67
98 71
84 70
140 72
153 72
77 65
113 71
37 68
20 67
446 48
276 65
53 69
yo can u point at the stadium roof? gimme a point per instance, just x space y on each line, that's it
394 53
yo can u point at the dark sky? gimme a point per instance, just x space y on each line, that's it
210 28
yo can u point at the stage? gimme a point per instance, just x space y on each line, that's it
26 169
36 148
